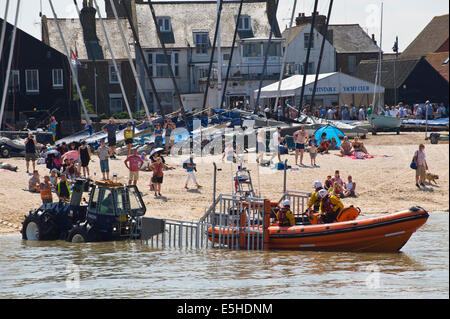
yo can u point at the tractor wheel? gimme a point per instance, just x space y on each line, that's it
32 228
78 234
4 152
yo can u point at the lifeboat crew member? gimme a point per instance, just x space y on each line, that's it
285 216
314 200
330 206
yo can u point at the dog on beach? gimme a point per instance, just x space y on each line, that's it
431 177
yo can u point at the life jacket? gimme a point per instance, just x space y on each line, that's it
46 193
59 187
283 220
327 206
128 134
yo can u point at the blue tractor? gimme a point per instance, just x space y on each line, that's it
112 213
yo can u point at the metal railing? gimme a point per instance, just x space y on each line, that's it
231 222
299 201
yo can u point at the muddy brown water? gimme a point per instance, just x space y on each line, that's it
135 270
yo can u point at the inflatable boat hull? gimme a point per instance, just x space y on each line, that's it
388 233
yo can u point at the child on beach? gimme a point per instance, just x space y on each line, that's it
133 163
158 174
46 191
103 155
313 152
190 167
328 183
34 183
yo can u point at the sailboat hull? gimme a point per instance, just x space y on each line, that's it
384 122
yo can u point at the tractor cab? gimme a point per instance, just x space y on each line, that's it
112 207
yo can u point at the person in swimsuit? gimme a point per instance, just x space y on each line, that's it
158 136
346 147
359 146
85 157
300 138
350 187
169 127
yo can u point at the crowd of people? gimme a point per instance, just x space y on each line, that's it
357 113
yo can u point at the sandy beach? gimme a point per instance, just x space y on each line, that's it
384 184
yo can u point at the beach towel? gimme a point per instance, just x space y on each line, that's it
362 156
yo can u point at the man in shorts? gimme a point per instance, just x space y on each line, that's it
111 129
133 163
103 155
30 151
300 138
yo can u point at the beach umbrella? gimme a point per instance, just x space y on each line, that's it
331 132
70 155
159 149
54 152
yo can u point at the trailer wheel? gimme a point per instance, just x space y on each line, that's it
4 152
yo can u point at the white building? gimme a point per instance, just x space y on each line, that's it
332 89
297 47
188 29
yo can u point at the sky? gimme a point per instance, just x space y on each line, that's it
402 18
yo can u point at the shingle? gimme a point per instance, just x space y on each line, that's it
187 16
351 38
432 37
438 62
73 35
366 70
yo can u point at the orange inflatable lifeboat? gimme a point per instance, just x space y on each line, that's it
387 233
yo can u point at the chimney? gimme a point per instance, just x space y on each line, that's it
44 30
121 13
319 24
87 17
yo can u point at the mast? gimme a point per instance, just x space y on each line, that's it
2 36
116 68
322 47
74 78
219 61
232 52
305 69
8 68
130 60
169 63
144 60
283 66
219 14
266 56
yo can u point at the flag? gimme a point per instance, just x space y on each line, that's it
395 47
74 59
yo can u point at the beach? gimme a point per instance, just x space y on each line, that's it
384 184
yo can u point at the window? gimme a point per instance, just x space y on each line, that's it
164 24
244 24
14 81
158 65
252 50
57 76
310 68
32 81
226 56
351 63
307 41
115 103
275 49
201 40
113 77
